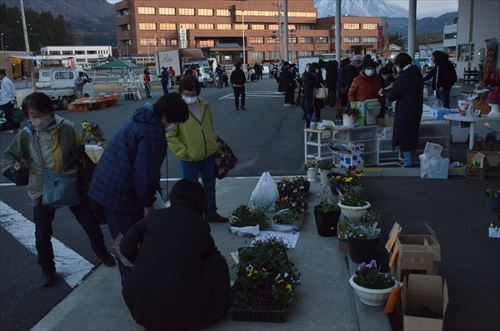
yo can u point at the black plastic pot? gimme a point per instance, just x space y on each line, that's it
275 316
493 204
326 223
363 250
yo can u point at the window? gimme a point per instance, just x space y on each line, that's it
271 40
273 55
147 42
292 55
351 40
205 26
241 26
147 26
223 12
302 14
206 43
166 11
186 26
272 27
306 53
292 27
79 52
306 40
169 42
81 60
146 10
319 52
257 56
67 52
370 26
452 35
205 12
64 75
292 40
91 52
466 52
351 26
258 27
126 27
55 53
321 40
167 26
256 40
370 39
223 26
304 27
186 11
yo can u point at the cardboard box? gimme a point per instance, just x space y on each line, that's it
492 158
424 299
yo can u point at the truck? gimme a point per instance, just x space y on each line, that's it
60 85
182 59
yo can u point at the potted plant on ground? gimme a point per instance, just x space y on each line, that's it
327 216
311 168
325 167
371 285
349 115
265 284
245 221
363 237
493 199
285 220
339 182
352 204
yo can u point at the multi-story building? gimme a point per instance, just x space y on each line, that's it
83 55
450 39
225 28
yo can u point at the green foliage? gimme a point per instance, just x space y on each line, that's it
353 196
244 216
285 216
326 165
326 207
369 276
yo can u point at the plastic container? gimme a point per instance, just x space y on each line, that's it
432 150
434 168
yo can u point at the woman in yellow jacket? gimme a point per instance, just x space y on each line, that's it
195 143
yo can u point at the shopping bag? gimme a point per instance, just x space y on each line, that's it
224 159
322 92
265 193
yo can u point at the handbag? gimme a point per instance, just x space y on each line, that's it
59 189
321 92
224 159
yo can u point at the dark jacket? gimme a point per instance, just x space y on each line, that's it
165 77
364 88
331 75
285 80
238 77
408 92
443 75
179 279
128 174
351 72
311 81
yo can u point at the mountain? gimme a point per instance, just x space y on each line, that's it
360 8
92 21
425 25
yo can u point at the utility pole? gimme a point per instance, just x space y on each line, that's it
1 38
338 31
25 30
243 41
286 29
279 29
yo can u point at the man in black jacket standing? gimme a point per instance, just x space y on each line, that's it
238 80
443 77
285 84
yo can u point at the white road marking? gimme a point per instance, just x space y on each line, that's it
69 264
256 94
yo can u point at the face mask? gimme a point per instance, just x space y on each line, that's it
369 72
384 76
190 100
41 123
169 128
317 71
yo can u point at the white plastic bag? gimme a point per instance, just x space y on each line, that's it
265 193
246 231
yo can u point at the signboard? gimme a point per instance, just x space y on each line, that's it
380 37
183 42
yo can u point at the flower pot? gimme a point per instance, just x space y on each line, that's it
347 120
326 223
493 204
354 214
363 250
495 111
274 316
371 297
323 175
312 174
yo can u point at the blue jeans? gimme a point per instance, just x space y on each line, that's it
408 158
206 169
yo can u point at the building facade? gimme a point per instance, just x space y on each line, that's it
450 39
84 56
220 26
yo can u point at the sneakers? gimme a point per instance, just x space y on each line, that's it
218 219
49 278
107 259
243 108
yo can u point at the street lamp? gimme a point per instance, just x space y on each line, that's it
243 29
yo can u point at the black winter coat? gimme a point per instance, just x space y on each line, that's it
331 75
443 75
238 77
408 92
285 81
179 279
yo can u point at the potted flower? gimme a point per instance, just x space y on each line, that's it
325 167
311 168
265 284
245 221
92 133
363 237
349 115
352 204
494 101
493 199
371 285
339 182
327 216
19 173
285 220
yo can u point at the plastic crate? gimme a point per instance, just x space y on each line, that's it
274 316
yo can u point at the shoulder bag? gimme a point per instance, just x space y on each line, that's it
225 160
321 92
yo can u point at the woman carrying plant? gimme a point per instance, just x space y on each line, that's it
47 143
179 281
195 143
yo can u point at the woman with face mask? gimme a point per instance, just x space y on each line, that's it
195 144
48 143
312 106
367 84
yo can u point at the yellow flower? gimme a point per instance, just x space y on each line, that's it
85 125
338 177
348 180
288 286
